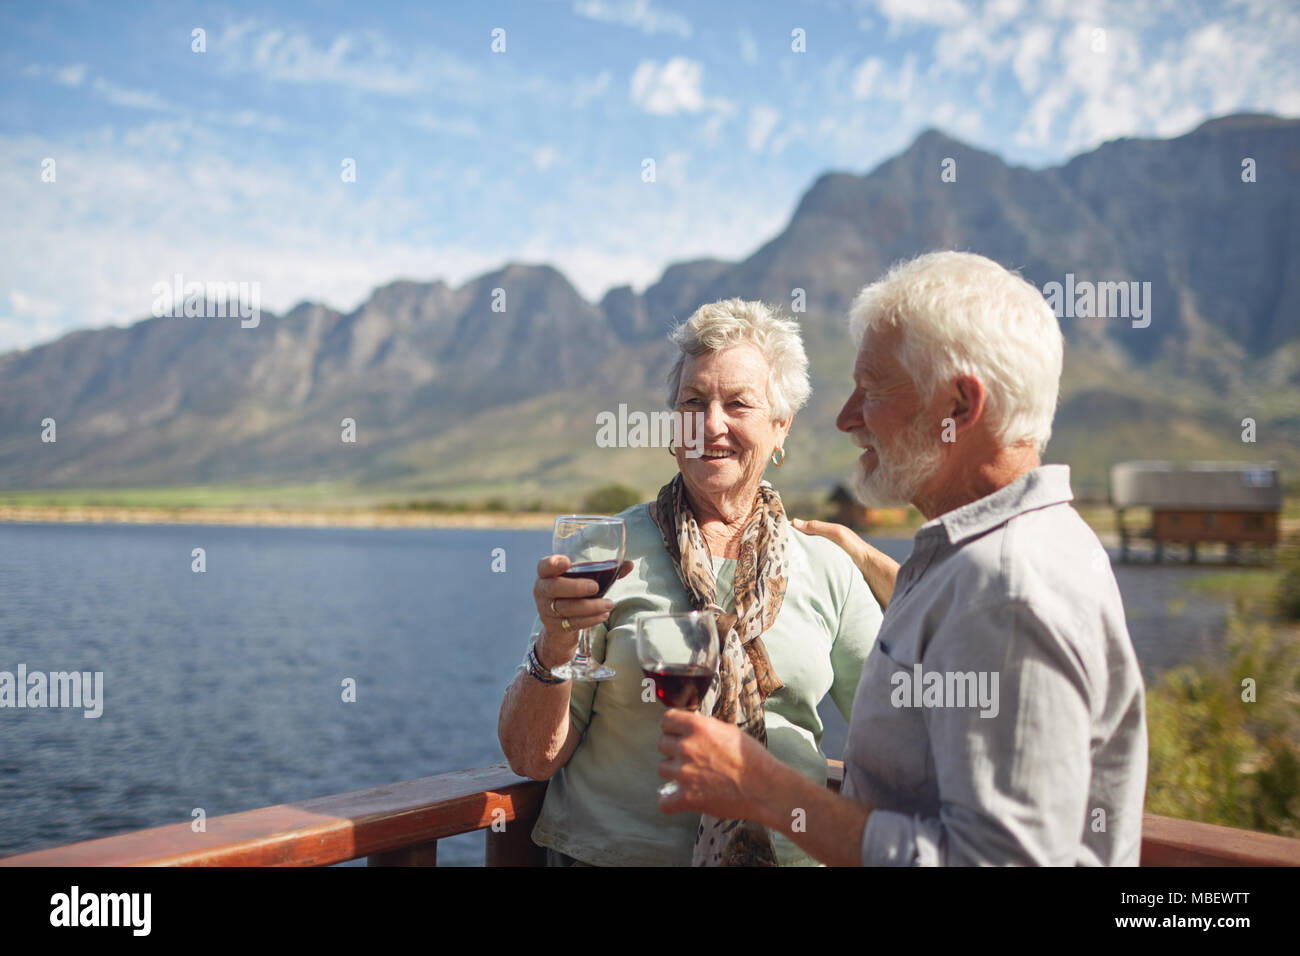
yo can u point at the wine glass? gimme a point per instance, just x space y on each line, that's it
679 653
594 545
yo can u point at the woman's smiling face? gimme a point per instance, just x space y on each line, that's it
729 389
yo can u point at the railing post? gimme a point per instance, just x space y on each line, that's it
513 846
421 854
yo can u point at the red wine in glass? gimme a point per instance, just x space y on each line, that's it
680 685
602 572
679 654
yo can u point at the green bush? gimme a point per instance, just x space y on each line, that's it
1288 592
611 499
1217 758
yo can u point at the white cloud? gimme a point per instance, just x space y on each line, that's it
71 75
1033 53
1163 67
248 119
362 61
932 12
641 14
721 111
544 157
29 322
451 126
1002 11
762 121
128 98
26 306
24 332
671 169
215 215
586 90
958 120
1134 86
786 135
748 46
365 61
871 82
348 61
864 78
626 240
971 48
206 213
668 90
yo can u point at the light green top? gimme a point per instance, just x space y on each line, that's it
602 808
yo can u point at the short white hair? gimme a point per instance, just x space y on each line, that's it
732 322
963 314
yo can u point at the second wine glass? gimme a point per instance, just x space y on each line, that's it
679 653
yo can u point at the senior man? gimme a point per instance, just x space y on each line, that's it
1000 716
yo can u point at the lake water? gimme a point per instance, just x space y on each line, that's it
223 690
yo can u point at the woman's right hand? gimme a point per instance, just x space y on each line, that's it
560 599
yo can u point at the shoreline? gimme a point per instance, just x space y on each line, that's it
345 517
275 517
309 518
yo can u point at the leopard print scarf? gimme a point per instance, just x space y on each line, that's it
745 676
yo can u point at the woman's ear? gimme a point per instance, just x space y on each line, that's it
782 430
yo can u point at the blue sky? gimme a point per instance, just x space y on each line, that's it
225 164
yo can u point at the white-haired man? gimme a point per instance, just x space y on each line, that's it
1000 717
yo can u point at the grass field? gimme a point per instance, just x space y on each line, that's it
1257 583
194 496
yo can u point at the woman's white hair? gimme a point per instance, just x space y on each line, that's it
960 313
722 325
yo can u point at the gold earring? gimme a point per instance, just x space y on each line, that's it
778 461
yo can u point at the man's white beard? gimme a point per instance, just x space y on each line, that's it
901 470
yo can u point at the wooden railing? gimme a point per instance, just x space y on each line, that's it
400 825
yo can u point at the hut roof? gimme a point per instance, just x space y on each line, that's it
1218 485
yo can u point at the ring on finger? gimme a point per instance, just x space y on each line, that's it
564 623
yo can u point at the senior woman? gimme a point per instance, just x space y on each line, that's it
796 617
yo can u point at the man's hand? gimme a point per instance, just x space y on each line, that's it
717 766
878 568
723 771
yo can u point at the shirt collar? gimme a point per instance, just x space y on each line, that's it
1038 488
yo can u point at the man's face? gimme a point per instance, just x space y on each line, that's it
887 418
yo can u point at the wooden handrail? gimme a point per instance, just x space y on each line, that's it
400 824
1168 841
382 822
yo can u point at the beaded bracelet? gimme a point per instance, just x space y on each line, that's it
537 671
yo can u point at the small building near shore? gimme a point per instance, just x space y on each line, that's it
847 510
1234 503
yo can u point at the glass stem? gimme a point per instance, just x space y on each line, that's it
582 658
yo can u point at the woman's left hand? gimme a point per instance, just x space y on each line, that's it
716 765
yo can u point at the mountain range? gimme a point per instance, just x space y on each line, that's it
492 388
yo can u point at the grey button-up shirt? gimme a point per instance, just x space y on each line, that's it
1000 717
